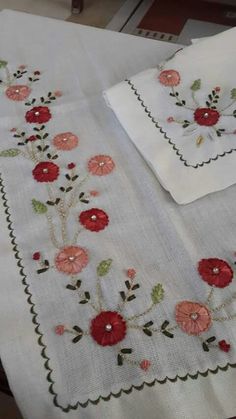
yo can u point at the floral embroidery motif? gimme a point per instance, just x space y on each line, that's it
71 260
14 91
100 165
204 117
65 141
110 328
195 318
38 146
94 219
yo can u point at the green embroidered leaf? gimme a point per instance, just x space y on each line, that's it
41 271
122 294
205 347
87 295
127 285
11 152
135 287
119 360
196 85
164 325
147 332
148 324
126 351
78 283
104 267
211 339
157 294
131 297
233 93
77 338
3 63
71 287
77 329
39 207
168 334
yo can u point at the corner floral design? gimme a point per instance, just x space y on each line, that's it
112 327
9 81
205 122
64 185
196 318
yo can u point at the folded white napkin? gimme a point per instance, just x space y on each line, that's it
182 117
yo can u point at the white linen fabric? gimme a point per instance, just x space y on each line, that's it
181 117
52 377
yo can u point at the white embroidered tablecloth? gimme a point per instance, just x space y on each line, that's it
115 301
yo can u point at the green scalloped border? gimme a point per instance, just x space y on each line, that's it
44 347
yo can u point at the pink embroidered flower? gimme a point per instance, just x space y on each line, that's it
71 166
170 119
94 219
38 115
206 116
169 78
37 73
94 193
101 165
60 329
36 256
13 129
18 92
22 67
145 364
224 346
215 272
217 89
131 273
58 93
108 328
71 260
65 141
45 171
193 318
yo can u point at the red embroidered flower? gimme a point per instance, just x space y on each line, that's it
224 346
65 141
131 273
71 260
206 116
46 172
101 165
38 115
71 166
217 89
215 272
193 318
170 119
94 219
32 138
108 328
36 256
18 92
145 364
37 73
169 78
60 329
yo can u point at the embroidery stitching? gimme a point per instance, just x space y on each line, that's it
171 142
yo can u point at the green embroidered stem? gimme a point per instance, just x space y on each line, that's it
224 304
210 295
52 232
228 106
81 295
74 198
34 153
179 101
99 294
194 98
76 235
224 318
142 314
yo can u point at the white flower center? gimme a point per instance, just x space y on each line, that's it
45 170
206 114
194 316
101 163
169 76
93 217
108 327
17 91
71 258
37 113
215 271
